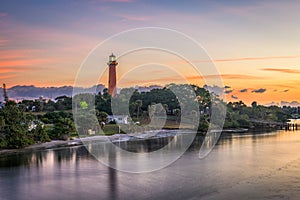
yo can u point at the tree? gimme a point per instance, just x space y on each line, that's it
103 102
101 116
63 103
254 104
178 115
138 104
14 127
39 133
63 128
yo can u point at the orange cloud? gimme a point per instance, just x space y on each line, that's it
14 69
234 76
7 76
177 79
16 53
290 71
256 58
238 59
24 62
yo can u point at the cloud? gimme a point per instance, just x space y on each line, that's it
2 14
282 86
7 76
117 1
233 76
261 90
256 58
134 18
244 59
14 69
3 42
272 104
292 103
234 97
214 89
228 91
174 79
122 1
285 90
244 90
290 71
226 87
25 62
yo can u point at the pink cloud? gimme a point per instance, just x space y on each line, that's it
134 18
118 1
122 1
3 14
3 42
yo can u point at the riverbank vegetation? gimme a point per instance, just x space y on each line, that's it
28 122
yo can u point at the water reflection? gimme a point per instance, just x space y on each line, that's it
75 154
113 182
47 157
72 173
147 154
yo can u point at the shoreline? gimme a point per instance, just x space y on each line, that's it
41 147
53 144
79 141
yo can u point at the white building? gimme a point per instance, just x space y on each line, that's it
33 124
119 119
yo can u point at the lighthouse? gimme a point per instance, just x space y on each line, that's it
112 80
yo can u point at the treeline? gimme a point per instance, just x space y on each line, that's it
28 122
19 129
240 115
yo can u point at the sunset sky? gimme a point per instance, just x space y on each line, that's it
255 45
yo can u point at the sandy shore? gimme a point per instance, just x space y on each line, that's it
79 141
42 146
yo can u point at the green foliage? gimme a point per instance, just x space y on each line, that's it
86 121
39 134
14 127
63 128
91 110
62 103
203 125
101 116
84 105
240 115
62 124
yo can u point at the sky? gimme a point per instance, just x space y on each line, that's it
254 45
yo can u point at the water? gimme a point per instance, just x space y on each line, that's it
251 166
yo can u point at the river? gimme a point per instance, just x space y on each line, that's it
241 166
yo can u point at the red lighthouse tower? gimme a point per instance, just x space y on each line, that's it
112 80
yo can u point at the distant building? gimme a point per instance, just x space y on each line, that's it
42 99
119 119
33 124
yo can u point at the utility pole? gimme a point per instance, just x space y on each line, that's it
5 93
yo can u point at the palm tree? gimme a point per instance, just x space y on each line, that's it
138 104
166 107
